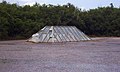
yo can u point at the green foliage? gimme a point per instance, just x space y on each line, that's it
18 22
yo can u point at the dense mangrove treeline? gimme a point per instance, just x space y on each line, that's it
20 22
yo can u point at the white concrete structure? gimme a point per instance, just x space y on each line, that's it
59 34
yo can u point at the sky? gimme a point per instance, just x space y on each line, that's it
84 4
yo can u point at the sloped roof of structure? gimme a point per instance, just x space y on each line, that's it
59 34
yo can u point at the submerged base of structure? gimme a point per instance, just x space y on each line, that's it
59 34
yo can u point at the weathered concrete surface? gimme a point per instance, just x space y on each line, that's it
101 55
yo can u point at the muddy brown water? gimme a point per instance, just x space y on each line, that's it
99 55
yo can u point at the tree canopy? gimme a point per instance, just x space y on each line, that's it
19 22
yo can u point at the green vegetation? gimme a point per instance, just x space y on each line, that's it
19 22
